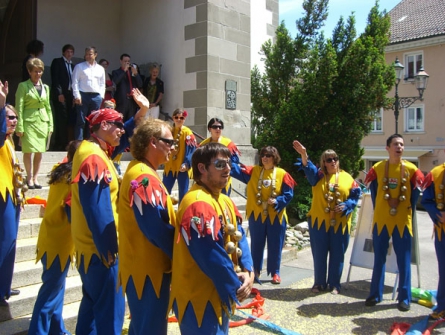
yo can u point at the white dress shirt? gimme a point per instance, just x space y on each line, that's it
89 79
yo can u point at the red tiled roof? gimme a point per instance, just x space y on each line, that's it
417 19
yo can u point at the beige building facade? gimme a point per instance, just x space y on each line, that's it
417 40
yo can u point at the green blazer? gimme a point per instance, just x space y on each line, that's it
32 107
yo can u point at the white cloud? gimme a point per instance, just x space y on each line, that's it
290 6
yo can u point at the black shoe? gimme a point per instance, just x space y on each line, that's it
401 306
15 292
3 303
371 302
37 186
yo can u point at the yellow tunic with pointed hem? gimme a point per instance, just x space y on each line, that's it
82 236
7 172
252 190
437 174
55 231
382 217
138 257
174 165
319 203
189 283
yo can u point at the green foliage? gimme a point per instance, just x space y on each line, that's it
322 92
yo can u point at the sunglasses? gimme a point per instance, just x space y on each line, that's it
118 124
179 118
221 164
266 155
216 127
11 117
331 159
169 142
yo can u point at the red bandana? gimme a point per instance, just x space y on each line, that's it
105 114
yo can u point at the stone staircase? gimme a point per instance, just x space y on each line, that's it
14 320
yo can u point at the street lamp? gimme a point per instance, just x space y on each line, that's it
421 81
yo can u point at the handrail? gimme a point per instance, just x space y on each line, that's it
239 193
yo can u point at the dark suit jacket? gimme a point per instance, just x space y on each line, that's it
60 79
120 79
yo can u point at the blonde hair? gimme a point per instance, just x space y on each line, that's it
35 63
325 155
143 133
109 104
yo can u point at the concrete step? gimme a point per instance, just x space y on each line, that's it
23 303
29 273
20 325
29 227
26 249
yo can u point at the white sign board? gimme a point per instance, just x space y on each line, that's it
362 251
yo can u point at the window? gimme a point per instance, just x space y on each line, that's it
376 125
413 63
415 118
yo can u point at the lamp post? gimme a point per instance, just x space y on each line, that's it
421 81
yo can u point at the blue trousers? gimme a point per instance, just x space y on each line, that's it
440 252
47 315
9 225
102 308
209 326
149 314
90 102
183 182
274 234
324 244
402 248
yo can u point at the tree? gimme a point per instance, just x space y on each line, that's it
321 91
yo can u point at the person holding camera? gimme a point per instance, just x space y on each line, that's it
126 78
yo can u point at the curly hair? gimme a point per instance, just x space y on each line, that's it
142 135
62 172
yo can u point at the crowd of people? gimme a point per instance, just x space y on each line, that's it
124 234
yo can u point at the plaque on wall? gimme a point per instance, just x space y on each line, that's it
231 94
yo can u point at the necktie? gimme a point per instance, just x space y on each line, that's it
68 68
129 80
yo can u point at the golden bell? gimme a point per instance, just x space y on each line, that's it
25 188
386 196
441 186
259 187
440 206
238 236
402 198
258 195
385 180
230 228
337 194
326 195
440 196
230 247
19 173
385 187
330 199
19 183
327 210
19 199
338 201
403 180
237 269
259 202
239 252
403 188
274 195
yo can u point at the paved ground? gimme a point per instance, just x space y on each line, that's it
292 306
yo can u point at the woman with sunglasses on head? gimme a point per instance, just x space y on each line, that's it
11 196
215 127
269 191
335 194
180 162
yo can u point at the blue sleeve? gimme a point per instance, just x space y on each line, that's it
3 127
234 158
68 212
429 202
213 260
352 201
245 261
415 193
189 150
310 170
124 143
285 198
154 222
96 205
239 174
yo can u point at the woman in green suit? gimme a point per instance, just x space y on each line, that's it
35 124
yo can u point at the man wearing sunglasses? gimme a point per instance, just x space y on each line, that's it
95 189
395 187
146 232
212 265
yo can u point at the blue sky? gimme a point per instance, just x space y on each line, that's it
291 10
